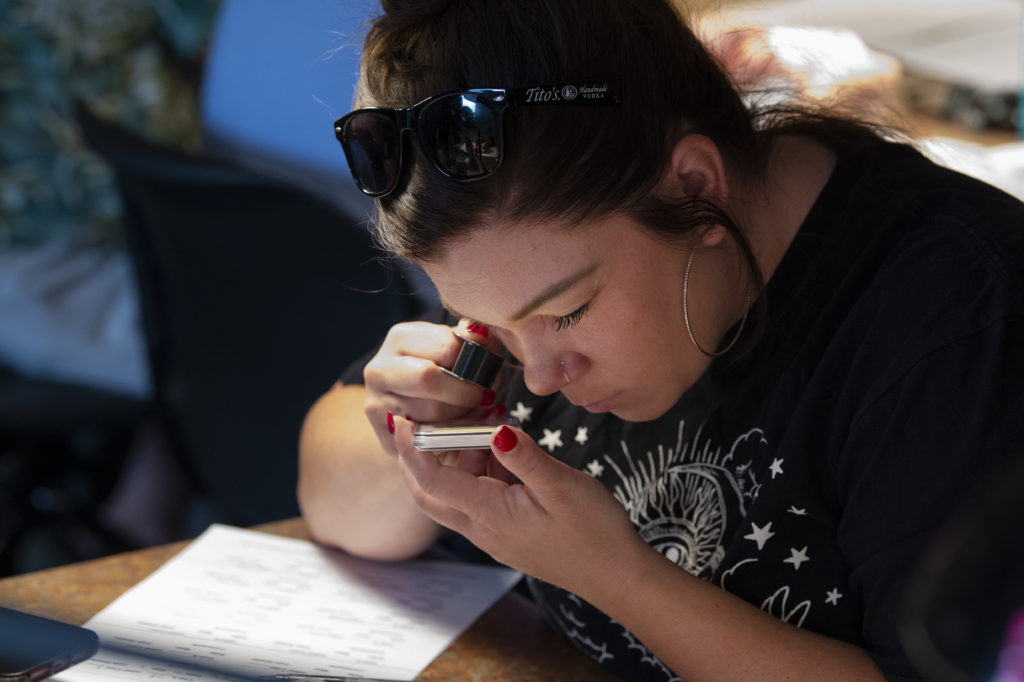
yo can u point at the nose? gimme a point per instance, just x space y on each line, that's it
543 378
552 373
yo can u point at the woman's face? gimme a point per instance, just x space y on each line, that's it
605 299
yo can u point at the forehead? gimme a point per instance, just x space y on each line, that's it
494 271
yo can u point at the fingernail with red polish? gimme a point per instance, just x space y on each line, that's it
487 398
480 329
391 422
496 410
505 439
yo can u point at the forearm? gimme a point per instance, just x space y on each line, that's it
702 632
351 493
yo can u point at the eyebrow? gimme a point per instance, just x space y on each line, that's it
553 291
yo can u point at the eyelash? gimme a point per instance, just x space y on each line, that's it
572 319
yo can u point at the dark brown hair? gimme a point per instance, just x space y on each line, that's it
564 162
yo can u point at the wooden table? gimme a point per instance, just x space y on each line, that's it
510 641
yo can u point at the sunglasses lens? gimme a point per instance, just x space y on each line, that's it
371 142
463 134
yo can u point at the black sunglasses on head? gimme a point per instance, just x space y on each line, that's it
460 131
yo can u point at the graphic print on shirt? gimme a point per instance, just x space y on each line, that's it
680 498
685 499
717 506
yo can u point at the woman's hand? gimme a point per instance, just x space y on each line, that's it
558 524
405 378
562 526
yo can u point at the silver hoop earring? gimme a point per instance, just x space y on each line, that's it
564 375
686 315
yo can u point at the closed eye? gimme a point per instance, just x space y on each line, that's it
572 319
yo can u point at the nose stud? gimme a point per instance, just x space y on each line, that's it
564 375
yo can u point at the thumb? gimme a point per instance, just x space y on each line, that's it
524 459
478 333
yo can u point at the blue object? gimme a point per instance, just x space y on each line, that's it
278 74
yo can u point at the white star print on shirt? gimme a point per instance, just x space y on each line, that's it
833 596
776 467
760 535
799 512
551 439
522 412
581 435
797 557
595 468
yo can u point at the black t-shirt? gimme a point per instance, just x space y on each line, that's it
808 476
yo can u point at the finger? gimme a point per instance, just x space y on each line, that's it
439 486
439 344
381 410
497 470
478 333
439 512
544 475
473 461
422 379
432 342
431 484
408 363
381 420
423 411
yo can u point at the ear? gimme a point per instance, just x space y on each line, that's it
696 169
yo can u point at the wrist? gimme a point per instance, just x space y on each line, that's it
612 584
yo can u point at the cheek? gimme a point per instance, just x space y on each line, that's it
618 343
642 336
650 316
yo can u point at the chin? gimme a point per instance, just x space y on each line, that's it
645 412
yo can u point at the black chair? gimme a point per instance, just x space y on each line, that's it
254 296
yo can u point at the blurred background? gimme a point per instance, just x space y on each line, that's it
184 261
184 264
76 396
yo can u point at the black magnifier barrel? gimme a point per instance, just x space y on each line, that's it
476 364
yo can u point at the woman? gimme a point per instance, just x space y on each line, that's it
763 353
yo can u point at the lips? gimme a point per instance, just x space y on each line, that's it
602 405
